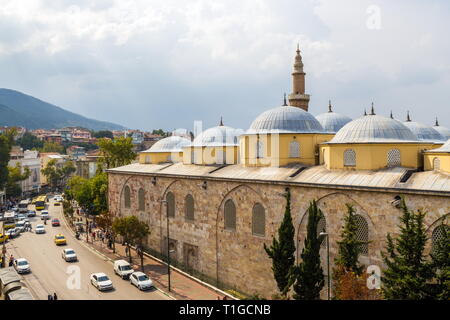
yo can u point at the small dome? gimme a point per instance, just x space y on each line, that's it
169 144
285 119
445 132
332 122
219 136
374 128
445 148
424 132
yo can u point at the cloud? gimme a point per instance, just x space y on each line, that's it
165 63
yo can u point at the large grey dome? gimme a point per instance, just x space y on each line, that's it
332 122
219 136
445 132
445 148
170 144
424 132
374 128
285 119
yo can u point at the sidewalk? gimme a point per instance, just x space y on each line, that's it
182 287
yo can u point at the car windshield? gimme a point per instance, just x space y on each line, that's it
22 263
143 278
125 268
70 252
102 278
59 237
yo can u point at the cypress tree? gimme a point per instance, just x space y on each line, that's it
282 250
307 277
407 270
349 247
441 265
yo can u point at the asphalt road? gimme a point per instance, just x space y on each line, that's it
70 280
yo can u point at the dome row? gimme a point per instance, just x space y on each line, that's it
286 119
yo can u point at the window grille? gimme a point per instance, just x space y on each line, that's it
141 199
349 158
189 207
439 233
170 198
393 158
436 164
362 234
127 197
258 220
294 150
230 215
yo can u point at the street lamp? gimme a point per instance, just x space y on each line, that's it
328 261
168 242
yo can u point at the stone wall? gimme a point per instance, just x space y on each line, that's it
237 258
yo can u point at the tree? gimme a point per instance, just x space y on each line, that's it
349 247
6 142
56 174
15 176
307 277
160 132
117 152
441 264
80 189
282 250
99 187
103 134
29 141
133 232
407 270
52 147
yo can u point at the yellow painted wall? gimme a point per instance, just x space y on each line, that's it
207 155
444 161
373 156
160 157
276 149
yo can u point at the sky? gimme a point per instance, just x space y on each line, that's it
149 64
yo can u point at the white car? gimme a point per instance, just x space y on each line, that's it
69 255
20 226
21 265
44 215
101 281
39 228
141 280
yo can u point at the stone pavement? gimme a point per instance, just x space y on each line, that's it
182 287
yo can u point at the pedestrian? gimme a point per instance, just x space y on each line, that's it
55 297
225 298
50 297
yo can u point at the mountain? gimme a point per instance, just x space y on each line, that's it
19 109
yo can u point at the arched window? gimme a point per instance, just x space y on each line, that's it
362 234
189 207
127 197
322 227
170 198
349 158
294 149
148 159
258 220
259 149
439 233
230 215
141 199
436 164
393 158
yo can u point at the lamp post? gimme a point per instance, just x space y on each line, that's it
328 262
168 242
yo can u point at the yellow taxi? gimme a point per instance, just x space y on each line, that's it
3 237
60 239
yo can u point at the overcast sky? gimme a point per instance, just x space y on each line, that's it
165 63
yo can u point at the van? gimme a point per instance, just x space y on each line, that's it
123 269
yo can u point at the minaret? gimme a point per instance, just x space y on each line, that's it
298 98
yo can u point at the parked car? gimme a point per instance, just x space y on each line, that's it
60 239
101 281
40 229
69 255
55 223
123 269
20 226
141 280
12 233
31 213
3 238
22 266
44 215
21 216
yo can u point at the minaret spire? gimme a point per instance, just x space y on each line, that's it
298 97
408 118
329 106
437 122
284 100
392 116
372 111
365 113
221 121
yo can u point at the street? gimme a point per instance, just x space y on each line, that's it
50 273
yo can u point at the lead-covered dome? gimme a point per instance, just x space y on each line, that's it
285 119
424 132
170 144
374 128
445 132
332 121
445 148
220 136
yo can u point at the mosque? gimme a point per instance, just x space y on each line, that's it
223 192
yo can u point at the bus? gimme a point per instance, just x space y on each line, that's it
23 206
40 202
9 220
